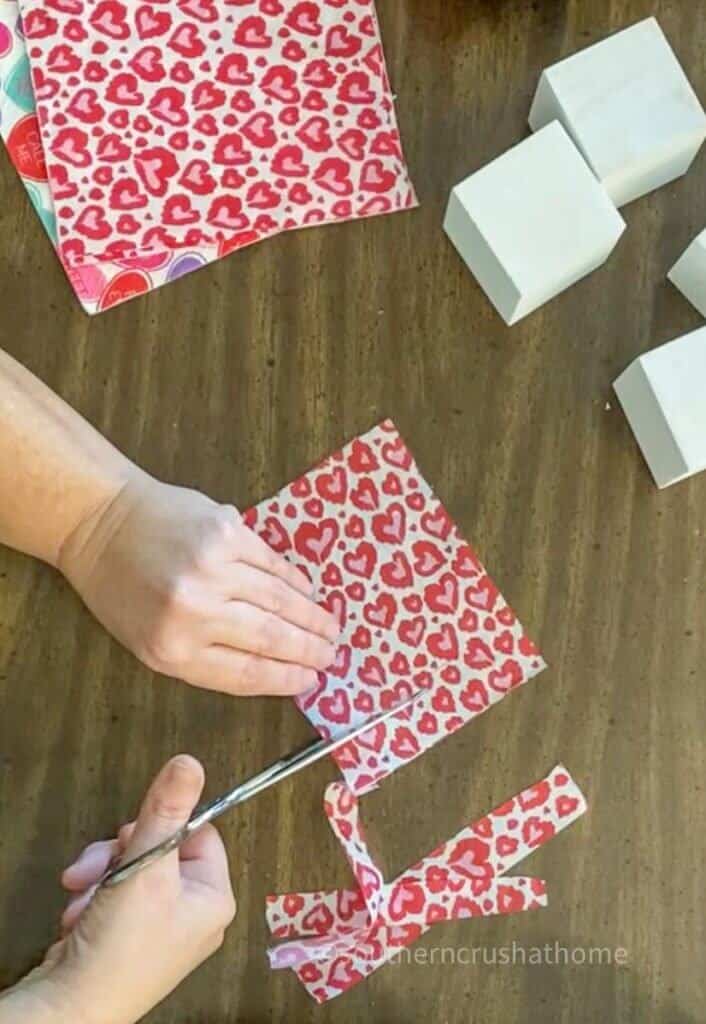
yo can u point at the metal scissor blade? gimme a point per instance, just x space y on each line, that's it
278 771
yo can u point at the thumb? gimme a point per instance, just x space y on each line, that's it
168 804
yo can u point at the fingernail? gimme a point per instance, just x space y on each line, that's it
328 657
179 770
333 631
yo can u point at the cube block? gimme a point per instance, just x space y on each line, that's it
689 273
532 222
629 107
663 394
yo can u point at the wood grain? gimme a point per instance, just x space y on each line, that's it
237 378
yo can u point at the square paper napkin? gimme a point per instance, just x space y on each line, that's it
418 609
179 130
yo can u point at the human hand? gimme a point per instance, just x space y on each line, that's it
125 948
194 593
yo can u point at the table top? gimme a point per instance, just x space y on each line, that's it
237 378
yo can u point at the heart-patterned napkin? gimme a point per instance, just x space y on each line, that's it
418 610
335 939
175 131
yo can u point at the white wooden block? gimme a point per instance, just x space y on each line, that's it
629 108
532 222
663 394
689 273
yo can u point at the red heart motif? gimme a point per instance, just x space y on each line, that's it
124 90
92 223
315 134
280 82
151 23
289 162
252 32
411 631
259 131
112 148
332 174
318 920
465 563
535 832
126 195
445 643
442 596
178 211
535 796
477 654
197 179
365 496
85 107
389 527
510 901
187 41
483 594
110 18
509 676
202 10
404 743
147 64
62 60
475 696
566 805
333 486
397 572
70 146
206 97
362 561
382 612
156 166
230 152
355 88
304 17
314 541
273 533
506 845
374 177
427 558
443 700
335 707
342 43
233 70
372 673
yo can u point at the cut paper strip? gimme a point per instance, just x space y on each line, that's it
208 122
98 285
333 940
418 609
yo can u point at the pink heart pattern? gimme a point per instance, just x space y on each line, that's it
232 121
418 610
334 939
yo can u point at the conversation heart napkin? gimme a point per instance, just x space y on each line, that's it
183 124
418 610
335 939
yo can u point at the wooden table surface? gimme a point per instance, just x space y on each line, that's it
237 378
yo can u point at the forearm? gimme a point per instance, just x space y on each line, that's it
34 1003
55 469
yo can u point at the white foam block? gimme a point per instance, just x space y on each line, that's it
689 273
532 222
663 394
629 108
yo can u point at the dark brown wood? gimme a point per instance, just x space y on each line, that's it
237 378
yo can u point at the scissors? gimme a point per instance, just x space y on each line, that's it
278 771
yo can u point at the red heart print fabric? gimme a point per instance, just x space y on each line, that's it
335 939
184 124
418 610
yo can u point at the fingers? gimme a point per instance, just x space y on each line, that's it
75 907
203 859
249 629
272 594
253 551
247 675
90 866
168 804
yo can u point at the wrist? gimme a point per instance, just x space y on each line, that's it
41 1001
83 545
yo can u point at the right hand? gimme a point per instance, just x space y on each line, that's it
125 948
189 589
